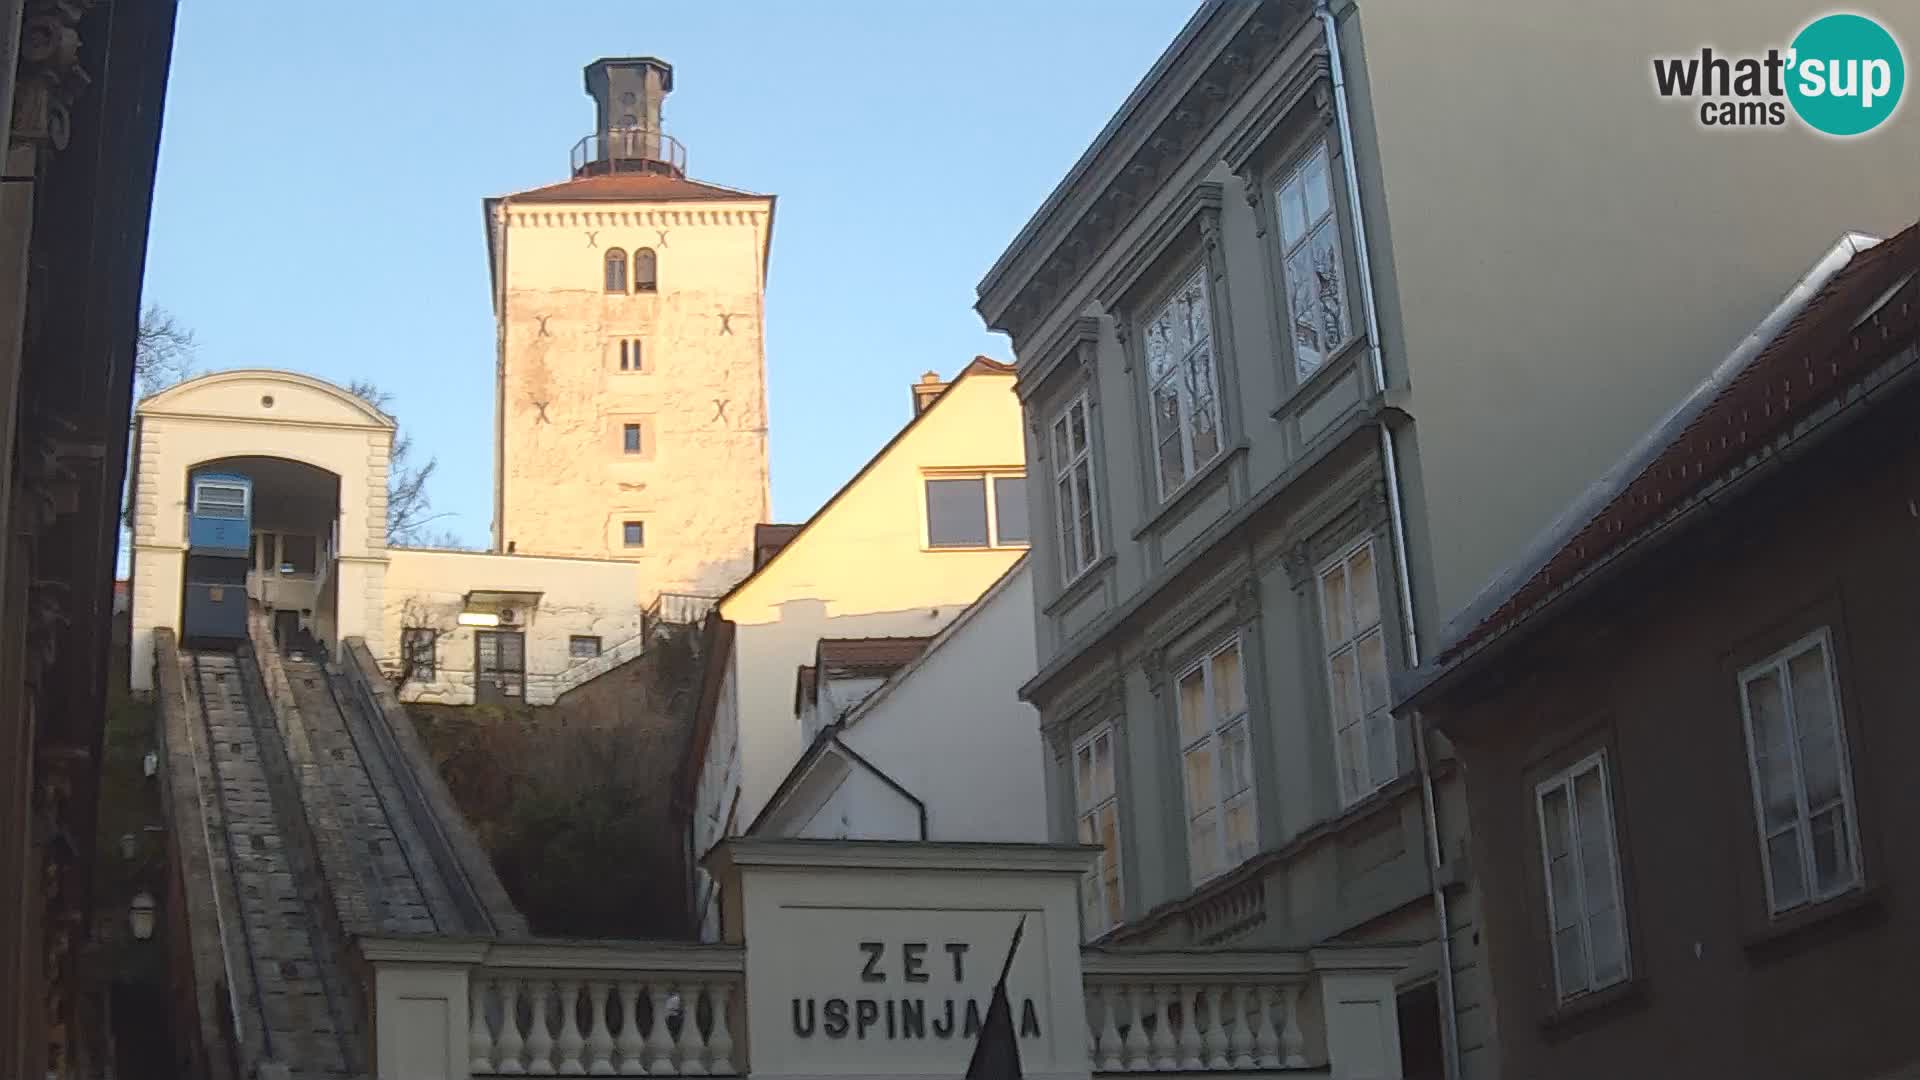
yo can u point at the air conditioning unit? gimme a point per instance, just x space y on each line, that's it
506 616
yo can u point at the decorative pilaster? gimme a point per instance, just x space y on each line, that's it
1154 666
50 77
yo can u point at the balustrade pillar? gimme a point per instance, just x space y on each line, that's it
599 1031
539 1036
632 1045
508 1050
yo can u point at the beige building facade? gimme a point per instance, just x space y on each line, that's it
631 416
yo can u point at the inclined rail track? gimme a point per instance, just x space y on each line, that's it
301 1016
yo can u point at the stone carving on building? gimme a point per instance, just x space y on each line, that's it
50 76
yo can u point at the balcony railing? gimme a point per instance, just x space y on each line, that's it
632 149
640 1008
1195 1011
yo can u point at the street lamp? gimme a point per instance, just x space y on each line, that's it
140 915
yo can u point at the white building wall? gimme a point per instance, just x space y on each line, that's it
952 729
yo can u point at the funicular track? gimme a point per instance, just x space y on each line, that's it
283 968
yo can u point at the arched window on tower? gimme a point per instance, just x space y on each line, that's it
616 270
645 271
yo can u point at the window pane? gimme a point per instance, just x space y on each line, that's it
1077 426
1195 323
1083 488
1193 705
1010 509
1813 718
1236 760
1329 284
633 534
1608 945
1346 703
1200 790
1333 606
1161 348
1773 760
1371 653
957 512
1062 456
616 271
298 554
1203 846
1556 825
1103 766
1366 589
1240 830
1570 960
1083 777
1166 426
1783 864
630 438
1229 692
1071 559
1309 343
1832 852
1381 750
1315 186
1293 211
1595 840
1205 420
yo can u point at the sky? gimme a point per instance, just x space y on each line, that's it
317 206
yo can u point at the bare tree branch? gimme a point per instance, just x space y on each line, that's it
163 352
408 506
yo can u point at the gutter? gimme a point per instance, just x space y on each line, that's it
1429 814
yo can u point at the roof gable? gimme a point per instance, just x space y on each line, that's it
935 414
265 396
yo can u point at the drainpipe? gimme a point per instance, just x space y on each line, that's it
1397 515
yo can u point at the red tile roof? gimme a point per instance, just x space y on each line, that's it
630 187
1812 360
868 656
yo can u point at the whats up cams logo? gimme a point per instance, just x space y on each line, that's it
1843 75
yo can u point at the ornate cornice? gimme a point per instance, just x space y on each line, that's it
49 78
1133 180
533 216
1070 350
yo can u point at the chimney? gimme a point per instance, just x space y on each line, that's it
627 94
924 391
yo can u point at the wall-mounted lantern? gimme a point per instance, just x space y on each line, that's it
151 763
140 916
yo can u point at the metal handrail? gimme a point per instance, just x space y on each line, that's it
628 149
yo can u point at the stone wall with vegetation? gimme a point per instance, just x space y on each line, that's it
572 801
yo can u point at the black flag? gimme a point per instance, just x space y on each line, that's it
996 1051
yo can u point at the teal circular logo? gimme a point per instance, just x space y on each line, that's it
1845 74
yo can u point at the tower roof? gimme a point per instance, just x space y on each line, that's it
631 187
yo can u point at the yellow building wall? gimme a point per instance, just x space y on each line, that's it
862 568
427 589
700 483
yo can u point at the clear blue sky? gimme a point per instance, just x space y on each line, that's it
322 166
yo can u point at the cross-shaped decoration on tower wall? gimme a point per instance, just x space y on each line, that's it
726 320
542 406
720 409
593 238
662 233
543 324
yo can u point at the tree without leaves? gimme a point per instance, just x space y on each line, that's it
163 352
408 507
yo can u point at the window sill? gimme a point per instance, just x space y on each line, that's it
1796 929
1082 584
1184 496
1343 360
932 550
1592 1009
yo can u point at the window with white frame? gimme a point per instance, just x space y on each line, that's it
1181 384
1096 804
1311 263
1802 782
1216 758
977 511
1584 909
1073 488
1356 651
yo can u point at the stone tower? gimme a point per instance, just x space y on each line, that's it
630 410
